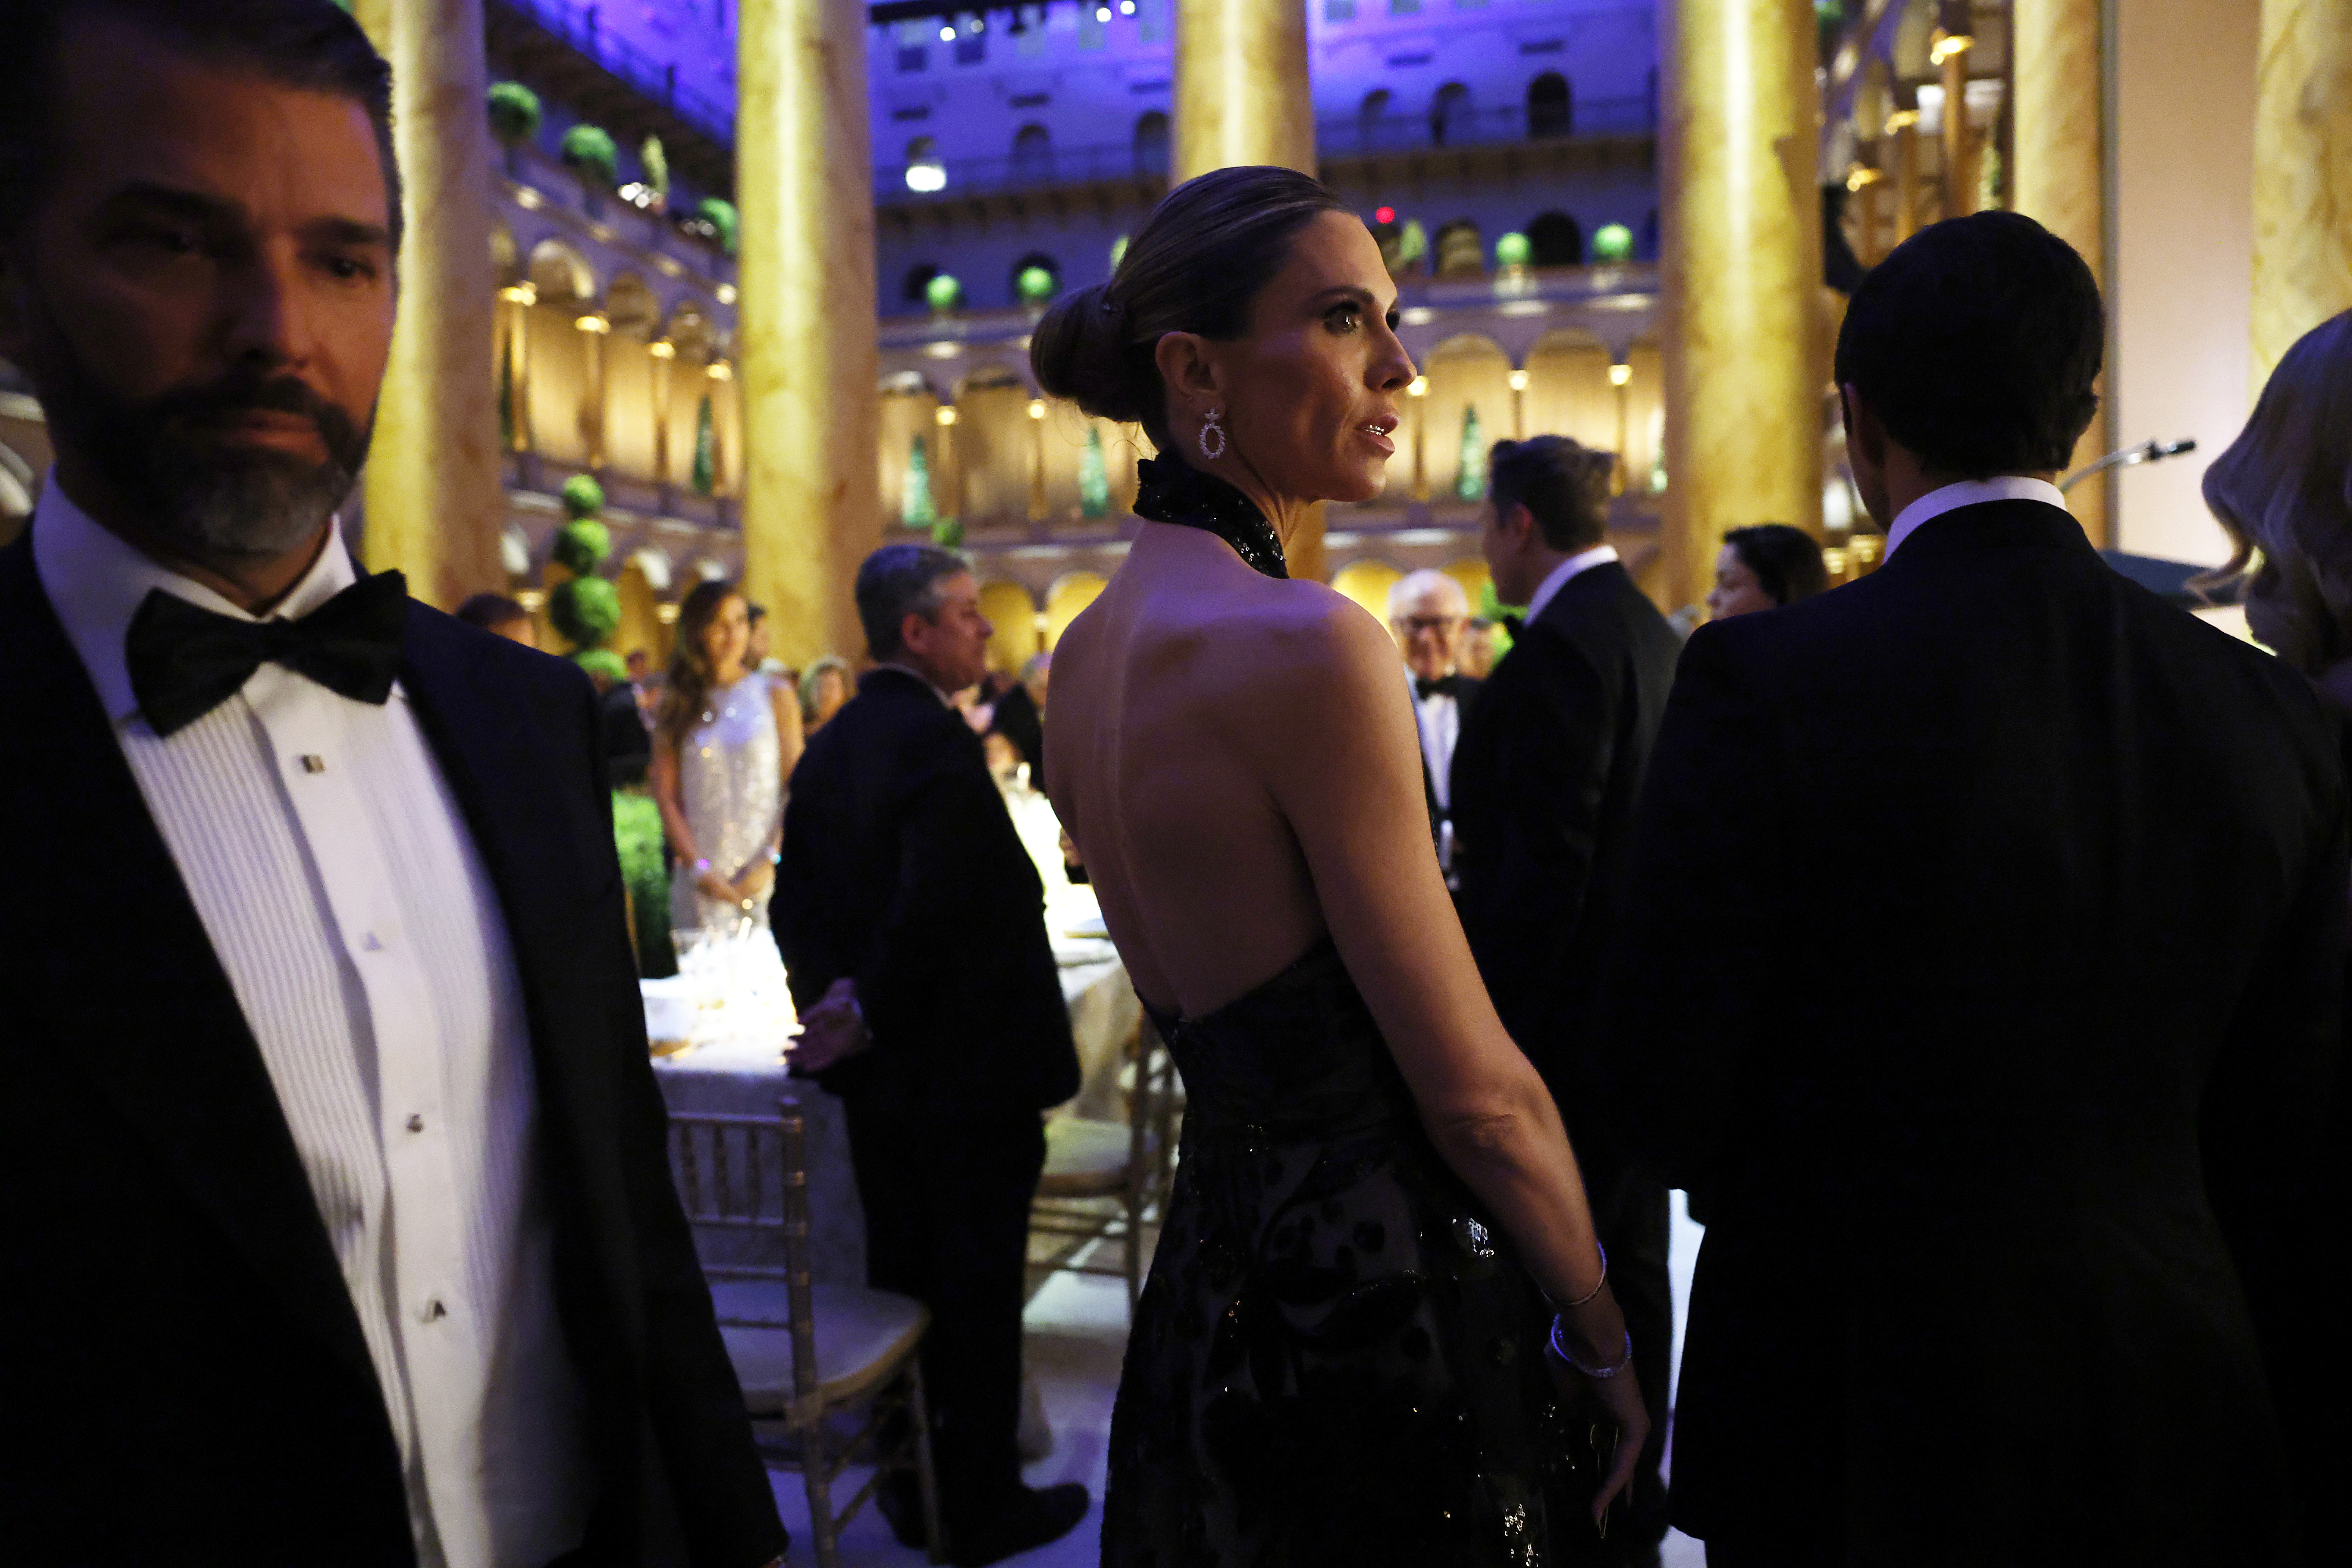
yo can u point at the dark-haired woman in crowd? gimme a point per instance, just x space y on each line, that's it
724 745
1763 568
1341 1356
2283 492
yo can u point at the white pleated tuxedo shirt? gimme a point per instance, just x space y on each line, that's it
345 897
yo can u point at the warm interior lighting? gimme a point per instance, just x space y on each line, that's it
1858 176
947 415
947 35
726 292
1036 409
592 322
528 199
1420 387
1950 44
665 614
1620 373
926 178
1102 13
721 371
662 348
1518 381
1902 119
520 294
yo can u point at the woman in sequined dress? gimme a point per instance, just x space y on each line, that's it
1344 1355
724 746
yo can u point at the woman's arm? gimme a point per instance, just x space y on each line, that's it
1336 744
662 775
791 739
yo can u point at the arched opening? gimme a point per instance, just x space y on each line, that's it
1449 114
1370 116
1556 239
1036 277
919 278
1151 142
1065 600
1551 110
925 172
1460 253
1033 154
1368 584
562 275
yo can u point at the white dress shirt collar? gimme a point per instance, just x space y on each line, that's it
1583 560
97 583
1968 492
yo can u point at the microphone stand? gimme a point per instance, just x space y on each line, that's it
2146 452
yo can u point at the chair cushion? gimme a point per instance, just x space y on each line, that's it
1085 1156
861 1336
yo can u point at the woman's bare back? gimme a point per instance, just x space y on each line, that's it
1160 713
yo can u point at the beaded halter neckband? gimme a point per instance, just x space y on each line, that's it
1173 491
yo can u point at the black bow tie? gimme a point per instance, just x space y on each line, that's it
1513 625
1425 687
186 661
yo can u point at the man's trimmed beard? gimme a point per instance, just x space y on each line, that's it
210 498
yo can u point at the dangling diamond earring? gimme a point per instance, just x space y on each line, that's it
1213 428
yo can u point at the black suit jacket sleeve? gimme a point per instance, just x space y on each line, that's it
948 814
1689 985
1546 745
694 1403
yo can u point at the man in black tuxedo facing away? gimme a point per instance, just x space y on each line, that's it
912 923
1545 785
1981 957
340 1218
1427 613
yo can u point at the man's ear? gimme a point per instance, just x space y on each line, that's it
1518 522
1864 436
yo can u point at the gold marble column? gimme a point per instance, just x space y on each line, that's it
1903 130
2303 173
1242 97
436 500
1742 270
805 347
1960 145
1241 86
2057 173
520 298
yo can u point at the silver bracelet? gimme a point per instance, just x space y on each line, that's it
1559 1348
1558 1306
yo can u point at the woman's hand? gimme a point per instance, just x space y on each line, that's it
716 887
755 883
1621 1397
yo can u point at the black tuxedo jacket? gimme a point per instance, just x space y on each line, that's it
903 869
1546 780
181 1372
1981 957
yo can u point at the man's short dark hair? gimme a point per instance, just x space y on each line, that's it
1976 344
897 580
313 45
1787 561
491 611
1564 487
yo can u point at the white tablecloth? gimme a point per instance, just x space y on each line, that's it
746 1078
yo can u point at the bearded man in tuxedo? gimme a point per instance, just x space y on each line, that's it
341 1224
1427 611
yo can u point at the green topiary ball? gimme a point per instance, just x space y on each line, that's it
582 497
943 293
1513 251
589 153
722 216
586 610
581 546
1036 285
1612 242
603 661
515 113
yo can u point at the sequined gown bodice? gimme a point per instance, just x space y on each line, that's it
1336 1359
730 786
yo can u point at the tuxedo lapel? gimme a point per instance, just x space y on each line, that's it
122 976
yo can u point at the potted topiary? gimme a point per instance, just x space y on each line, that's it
587 608
515 120
589 152
726 224
943 293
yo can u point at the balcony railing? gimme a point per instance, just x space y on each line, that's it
1356 137
580 25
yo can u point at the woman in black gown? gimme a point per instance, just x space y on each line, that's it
1377 1270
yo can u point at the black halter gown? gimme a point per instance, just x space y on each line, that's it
1336 1360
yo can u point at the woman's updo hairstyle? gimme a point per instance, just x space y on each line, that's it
1196 266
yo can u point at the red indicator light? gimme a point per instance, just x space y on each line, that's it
1384 214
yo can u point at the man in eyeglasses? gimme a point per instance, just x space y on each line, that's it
1427 611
